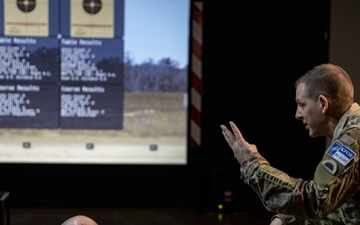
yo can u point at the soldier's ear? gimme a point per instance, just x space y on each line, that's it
323 103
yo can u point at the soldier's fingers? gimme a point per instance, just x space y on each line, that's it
236 131
226 132
229 137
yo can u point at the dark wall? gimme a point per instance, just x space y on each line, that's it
252 54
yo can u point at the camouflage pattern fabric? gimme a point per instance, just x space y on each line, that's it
333 196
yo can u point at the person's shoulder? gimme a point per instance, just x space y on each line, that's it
352 117
353 121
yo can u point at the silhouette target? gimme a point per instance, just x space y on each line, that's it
26 5
92 6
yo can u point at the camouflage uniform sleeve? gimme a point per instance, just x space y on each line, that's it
307 200
332 219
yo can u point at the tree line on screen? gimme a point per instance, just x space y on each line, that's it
149 76
162 76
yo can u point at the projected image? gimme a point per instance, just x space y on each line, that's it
97 91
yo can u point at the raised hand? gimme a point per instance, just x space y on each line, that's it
241 148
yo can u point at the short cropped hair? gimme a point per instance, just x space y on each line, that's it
331 81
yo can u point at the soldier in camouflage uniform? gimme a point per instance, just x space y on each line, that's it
325 105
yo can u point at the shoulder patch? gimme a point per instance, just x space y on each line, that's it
330 165
340 153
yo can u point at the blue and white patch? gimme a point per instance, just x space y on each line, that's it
340 153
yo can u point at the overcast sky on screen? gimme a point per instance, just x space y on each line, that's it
156 29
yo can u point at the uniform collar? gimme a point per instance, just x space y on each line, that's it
354 109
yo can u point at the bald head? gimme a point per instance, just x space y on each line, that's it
79 220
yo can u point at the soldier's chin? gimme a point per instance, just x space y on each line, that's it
312 134
309 130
